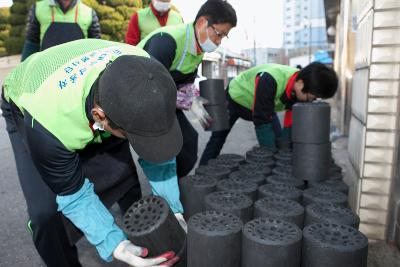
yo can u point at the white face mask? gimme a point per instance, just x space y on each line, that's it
98 126
208 45
161 6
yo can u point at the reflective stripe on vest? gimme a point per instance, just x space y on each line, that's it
241 88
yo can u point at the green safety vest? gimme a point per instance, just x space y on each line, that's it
241 88
186 58
46 9
52 86
148 22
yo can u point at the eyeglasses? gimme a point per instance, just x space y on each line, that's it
218 33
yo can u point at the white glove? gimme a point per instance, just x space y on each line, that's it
134 256
201 113
181 221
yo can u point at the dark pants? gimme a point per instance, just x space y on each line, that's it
49 235
187 157
217 139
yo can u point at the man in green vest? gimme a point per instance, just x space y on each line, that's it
63 107
158 14
54 22
181 49
256 94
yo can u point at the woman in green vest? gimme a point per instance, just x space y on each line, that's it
256 94
181 49
158 14
54 22
66 106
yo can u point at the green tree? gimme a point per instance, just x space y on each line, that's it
114 16
17 20
146 3
4 29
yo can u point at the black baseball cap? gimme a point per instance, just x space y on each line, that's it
139 95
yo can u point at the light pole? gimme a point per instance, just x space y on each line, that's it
307 25
309 40
254 42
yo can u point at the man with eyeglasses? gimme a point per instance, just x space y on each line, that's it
180 49
256 94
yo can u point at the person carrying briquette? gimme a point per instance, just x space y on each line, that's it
257 93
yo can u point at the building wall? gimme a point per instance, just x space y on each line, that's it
373 130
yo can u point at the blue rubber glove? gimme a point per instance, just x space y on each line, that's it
29 49
265 135
164 182
87 212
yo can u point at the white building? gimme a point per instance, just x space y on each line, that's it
266 55
304 29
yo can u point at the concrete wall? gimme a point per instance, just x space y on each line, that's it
373 130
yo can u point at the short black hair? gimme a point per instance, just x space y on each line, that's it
319 80
218 11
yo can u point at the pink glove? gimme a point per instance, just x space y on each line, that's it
185 95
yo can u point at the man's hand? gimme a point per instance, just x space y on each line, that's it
265 135
200 112
135 256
